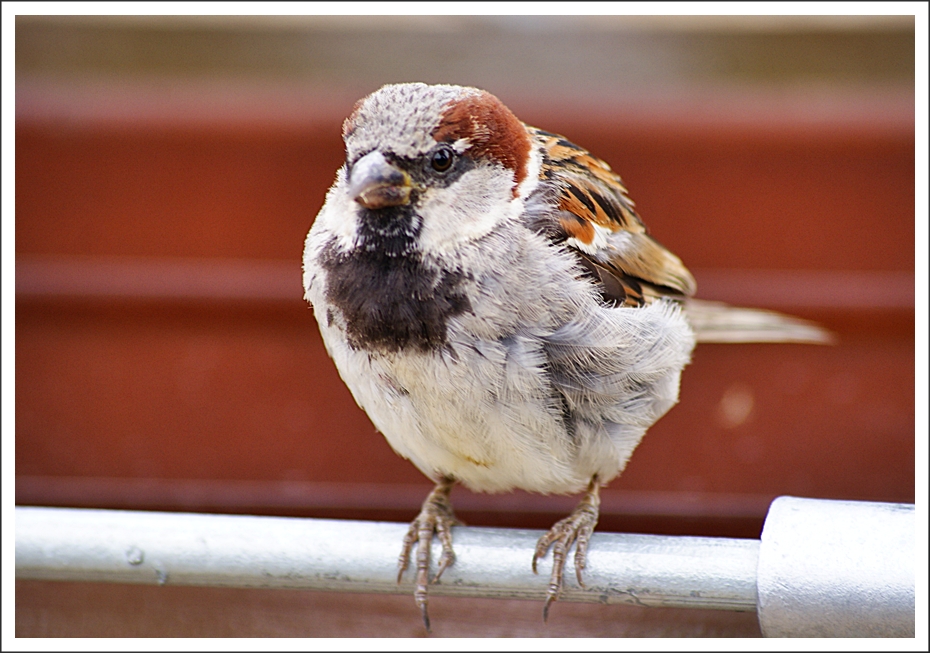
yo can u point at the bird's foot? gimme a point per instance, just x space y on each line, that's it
578 526
436 516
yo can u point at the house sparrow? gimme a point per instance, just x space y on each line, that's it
496 306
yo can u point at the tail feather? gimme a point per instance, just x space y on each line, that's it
719 322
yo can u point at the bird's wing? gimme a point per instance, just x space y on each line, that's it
596 219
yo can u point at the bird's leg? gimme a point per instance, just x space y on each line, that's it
577 526
435 516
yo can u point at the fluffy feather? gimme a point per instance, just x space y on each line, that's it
495 304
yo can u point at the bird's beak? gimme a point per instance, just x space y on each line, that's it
374 183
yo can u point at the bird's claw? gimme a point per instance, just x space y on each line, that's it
577 527
436 516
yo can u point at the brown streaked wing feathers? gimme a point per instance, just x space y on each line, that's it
634 269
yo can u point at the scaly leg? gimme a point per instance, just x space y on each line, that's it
577 526
436 516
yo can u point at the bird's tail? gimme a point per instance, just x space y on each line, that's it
719 322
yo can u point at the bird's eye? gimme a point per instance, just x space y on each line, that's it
442 159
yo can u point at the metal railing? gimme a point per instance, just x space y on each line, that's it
822 568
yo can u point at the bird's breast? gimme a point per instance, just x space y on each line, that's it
391 303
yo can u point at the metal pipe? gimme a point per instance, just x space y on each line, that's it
823 568
353 556
837 569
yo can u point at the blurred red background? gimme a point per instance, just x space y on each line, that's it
166 360
165 356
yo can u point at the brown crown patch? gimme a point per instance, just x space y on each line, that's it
491 129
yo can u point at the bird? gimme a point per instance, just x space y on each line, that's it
495 304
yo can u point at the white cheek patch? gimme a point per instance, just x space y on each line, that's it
339 215
470 208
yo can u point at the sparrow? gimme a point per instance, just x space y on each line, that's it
496 306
